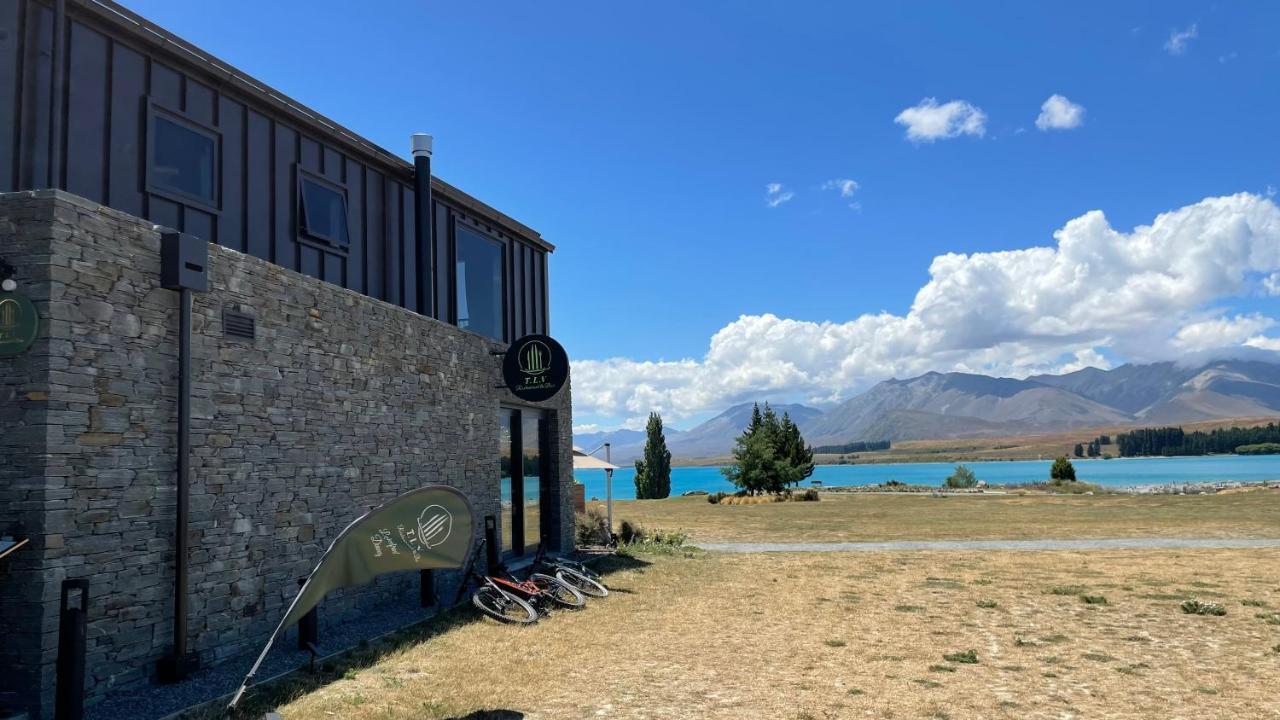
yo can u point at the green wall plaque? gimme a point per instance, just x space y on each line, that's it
19 323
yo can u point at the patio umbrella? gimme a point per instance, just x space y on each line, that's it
584 461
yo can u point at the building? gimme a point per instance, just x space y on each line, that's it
347 348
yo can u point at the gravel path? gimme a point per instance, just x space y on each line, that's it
1137 543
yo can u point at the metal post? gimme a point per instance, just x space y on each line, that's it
608 485
491 546
426 588
423 228
59 91
73 627
308 626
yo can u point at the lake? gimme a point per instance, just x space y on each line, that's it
1127 472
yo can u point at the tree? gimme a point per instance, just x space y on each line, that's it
1062 470
770 455
653 472
963 477
1079 451
1094 449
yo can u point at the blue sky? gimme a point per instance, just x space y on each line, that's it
640 139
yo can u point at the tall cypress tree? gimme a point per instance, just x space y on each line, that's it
653 473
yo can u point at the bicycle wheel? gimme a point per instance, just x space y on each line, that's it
586 585
503 606
559 591
578 568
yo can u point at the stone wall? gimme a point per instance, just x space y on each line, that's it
340 403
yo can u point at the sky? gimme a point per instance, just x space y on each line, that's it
793 201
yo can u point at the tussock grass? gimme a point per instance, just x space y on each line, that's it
1199 607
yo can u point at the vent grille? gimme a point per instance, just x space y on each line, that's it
236 324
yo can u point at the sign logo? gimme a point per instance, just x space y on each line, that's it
535 368
434 525
19 323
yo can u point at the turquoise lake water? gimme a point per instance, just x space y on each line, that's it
1127 472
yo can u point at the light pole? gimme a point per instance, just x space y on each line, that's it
608 485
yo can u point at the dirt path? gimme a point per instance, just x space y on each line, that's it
912 545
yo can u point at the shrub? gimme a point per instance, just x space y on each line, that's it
1254 603
809 495
715 498
1062 470
591 527
987 604
630 532
672 538
963 477
964 657
1093 599
1199 607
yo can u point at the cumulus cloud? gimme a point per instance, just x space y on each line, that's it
1271 284
1059 113
1178 39
928 121
1222 332
775 194
1140 295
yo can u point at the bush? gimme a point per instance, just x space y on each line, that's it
1093 599
1197 607
715 498
591 527
809 495
1062 470
963 477
630 532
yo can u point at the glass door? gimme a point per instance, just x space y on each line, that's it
522 435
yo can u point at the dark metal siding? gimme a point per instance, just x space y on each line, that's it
114 79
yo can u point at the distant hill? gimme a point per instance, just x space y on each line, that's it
963 405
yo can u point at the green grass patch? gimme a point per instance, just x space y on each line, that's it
1269 618
1093 599
834 643
942 668
1098 657
987 604
964 657
1254 603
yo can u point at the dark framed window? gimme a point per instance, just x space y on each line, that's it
322 212
480 287
182 159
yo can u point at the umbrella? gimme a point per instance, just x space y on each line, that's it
585 461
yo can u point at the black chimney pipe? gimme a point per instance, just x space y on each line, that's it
423 228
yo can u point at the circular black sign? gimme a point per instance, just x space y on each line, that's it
535 368
19 323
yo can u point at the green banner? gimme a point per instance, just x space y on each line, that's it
19 323
426 528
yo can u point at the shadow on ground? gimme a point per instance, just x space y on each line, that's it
266 697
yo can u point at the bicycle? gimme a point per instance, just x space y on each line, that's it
581 577
510 600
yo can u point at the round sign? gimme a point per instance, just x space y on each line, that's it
19 323
535 368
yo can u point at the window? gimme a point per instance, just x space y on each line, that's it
479 291
531 467
521 472
324 210
183 160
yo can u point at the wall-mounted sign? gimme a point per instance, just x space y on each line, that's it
19 323
535 368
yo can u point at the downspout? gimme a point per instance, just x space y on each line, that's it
423 228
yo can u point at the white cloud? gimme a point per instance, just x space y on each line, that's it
1221 332
1224 59
1059 113
1139 295
1177 42
928 121
775 194
846 187
1271 284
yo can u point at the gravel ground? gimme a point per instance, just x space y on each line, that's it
157 701
1105 544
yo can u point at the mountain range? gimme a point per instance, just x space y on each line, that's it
961 405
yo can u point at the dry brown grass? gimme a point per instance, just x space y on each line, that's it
848 517
857 636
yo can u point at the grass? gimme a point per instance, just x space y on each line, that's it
844 517
1093 599
1199 607
674 642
